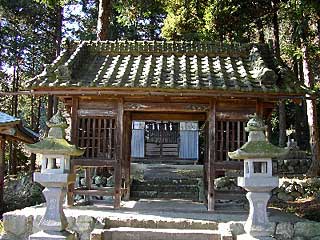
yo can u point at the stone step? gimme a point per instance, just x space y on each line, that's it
125 233
164 188
166 181
165 195
158 223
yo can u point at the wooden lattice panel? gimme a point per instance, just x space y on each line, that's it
97 135
230 135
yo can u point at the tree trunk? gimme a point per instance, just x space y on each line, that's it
312 115
260 31
282 106
14 112
282 124
58 30
318 26
300 123
33 126
276 39
53 100
2 172
103 19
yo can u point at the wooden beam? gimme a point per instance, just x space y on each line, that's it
2 171
106 191
153 92
167 107
231 116
87 162
96 113
119 156
228 165
169 116
211 155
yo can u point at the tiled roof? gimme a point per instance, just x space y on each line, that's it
7 119
21 132
168 65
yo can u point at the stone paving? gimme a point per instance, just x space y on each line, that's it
158 214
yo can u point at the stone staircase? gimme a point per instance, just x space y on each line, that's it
187 189
125 233
168 182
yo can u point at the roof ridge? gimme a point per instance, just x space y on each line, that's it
186 47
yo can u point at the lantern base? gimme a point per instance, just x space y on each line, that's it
48 235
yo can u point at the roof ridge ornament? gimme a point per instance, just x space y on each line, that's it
263 74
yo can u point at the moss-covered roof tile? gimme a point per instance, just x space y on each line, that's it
174 65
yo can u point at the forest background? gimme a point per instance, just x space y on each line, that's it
32 33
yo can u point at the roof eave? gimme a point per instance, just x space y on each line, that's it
85 91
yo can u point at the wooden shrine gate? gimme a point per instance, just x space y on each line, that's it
105 128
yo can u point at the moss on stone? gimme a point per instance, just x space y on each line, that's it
258 149
54 146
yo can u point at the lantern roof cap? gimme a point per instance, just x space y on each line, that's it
257 145
55 142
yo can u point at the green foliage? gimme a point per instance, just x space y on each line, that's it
137 19
80 18
53 3
184 19
223 20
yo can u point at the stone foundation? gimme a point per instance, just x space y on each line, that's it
84 220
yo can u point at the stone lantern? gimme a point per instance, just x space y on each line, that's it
54 176
257 154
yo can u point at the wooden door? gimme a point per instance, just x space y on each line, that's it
162 139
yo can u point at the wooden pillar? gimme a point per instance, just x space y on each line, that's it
2 171
259 108
119 155
74 120
74 140
211 154
127 153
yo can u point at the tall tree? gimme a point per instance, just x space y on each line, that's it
276 47
104 16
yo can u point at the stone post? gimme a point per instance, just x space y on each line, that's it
257 154
54 176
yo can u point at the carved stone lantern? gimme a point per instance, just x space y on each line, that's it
55 176
257 180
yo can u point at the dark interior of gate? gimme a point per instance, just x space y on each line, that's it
165 142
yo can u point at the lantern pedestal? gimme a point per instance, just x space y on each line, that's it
46 235
259 188
54 192
54 222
